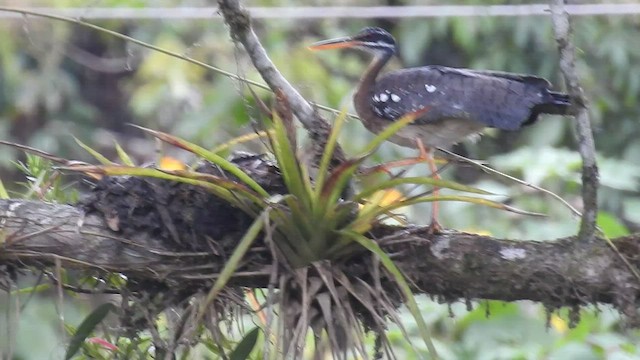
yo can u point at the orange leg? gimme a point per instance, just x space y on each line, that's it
386 167
427 155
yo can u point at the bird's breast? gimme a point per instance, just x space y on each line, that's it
443 133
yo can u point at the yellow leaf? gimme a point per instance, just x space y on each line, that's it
390 196
169 163
477 232
382 198
558 324
3 191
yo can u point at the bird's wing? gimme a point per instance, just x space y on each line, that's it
493 99
523 78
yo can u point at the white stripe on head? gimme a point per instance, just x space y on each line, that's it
379 44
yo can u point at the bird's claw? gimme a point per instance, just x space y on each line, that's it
435 228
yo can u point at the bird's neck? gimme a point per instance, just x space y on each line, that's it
362 96
369 77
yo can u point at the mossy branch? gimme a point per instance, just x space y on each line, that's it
451 266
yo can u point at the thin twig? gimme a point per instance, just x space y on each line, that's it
512 178
77 289
60 296
273 278
584 135
239 22
336 12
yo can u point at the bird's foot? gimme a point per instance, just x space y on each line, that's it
435 228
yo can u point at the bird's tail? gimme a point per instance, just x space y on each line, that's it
555 103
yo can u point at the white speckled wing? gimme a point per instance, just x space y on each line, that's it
502 100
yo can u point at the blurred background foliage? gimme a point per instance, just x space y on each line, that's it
58 80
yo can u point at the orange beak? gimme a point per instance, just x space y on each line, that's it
338 43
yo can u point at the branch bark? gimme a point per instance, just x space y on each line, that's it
449 266
584 135
239 22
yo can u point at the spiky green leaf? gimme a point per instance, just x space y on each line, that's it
209 156
418 181
246 345
329 149
101 158
289 165
234 261
391 130
124 157
86 328
3 191
402 284
225 189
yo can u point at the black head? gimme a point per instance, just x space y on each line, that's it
371 39
375 39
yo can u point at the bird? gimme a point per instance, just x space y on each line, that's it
452 104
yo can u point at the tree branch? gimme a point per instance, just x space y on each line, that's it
450 266
584 135
239 22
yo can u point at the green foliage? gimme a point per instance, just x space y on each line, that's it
44 183
311 222
123 156
3 191
31 289
232 264
315 218
246 345
537 164
96 155
403 284
611 226
209 156
86 328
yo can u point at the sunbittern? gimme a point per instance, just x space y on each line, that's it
454 104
